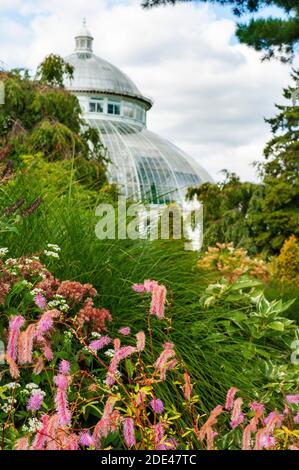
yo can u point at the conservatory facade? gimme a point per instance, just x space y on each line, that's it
145 166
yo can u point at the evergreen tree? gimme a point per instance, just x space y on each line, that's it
277 216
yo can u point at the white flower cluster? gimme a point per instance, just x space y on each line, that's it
33 425
31 389
52 251
8 405
36 291
12 385
109 353
3 251
96 335
58 302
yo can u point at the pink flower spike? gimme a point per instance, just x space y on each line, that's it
125 330
230 398
87 440
158 301
61 381
258 407
100 343
35 401
129 432
15 324
140 341
237 417
293 399
64 367
138 288
296 418
40 301
157 405
149 285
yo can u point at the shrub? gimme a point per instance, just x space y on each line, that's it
233 262
286 265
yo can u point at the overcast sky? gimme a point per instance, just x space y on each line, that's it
210 93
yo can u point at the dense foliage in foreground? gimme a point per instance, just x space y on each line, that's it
69 383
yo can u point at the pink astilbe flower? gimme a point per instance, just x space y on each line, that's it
116 344
168 345
39 365
264 440
87 440
140 336
62 383
230 398
41 435
259 409
237 417
52 431
15 324
246 440
138 288
22 444
64 367
35 401
129 432
158 433
293 399
149 285
119 355
273 420
157 405
104 426
40 301
98 344
47 349
212 419
163 362
13 368
187 389
125 330
296 418
71 442
158 301
25 347
46 321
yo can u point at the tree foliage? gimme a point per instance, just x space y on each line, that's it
40 118
259 217
53 69
276 37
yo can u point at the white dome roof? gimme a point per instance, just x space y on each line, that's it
91 73
145 166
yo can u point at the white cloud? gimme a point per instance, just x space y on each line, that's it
211 94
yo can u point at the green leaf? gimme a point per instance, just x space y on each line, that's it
276 325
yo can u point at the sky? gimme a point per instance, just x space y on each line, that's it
211 94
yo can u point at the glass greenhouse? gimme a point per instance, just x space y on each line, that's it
145 166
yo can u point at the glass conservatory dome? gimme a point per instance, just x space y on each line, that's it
144 166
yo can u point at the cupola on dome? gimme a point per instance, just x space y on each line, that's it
144 166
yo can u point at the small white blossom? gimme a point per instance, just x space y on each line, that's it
53 247
52 254
109 353
95 334
3 251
